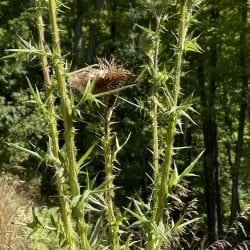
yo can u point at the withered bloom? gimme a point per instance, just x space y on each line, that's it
107 76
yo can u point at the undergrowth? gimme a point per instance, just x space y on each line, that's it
13 207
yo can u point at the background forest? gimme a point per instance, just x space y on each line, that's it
214 84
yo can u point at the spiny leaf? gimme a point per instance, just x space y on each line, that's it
193 46
53 222
37 97
140 218
76 200
174 177
176 198
36 223
188 169
41 155
30 152
148 31
114 91
96 232
184 224
160 230
184 113
85 156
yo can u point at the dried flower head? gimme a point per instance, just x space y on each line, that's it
107 76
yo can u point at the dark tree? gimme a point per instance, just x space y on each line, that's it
235 206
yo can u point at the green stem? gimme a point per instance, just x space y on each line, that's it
162 192
183 27
109 194
154 116
155 138
53 144
66 109
156 46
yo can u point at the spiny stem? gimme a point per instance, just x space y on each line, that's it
109 176
185 15
53 144
154 98
162 192
68 129
155 137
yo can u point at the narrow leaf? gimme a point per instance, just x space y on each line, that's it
30 152
94 236
191 166
142 219
174 177
85 156
188 223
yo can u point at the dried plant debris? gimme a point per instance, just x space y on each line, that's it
107 76
220 245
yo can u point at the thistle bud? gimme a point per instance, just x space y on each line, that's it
107 76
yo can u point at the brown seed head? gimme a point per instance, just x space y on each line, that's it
107 76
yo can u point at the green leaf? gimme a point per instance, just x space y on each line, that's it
76 200
36 95
26 48
148 31
53 222
85 156
39 154
159 229
173 181
10 56
140 218
190 167
26 51
176 198
192 45
95 233
180 226
184 113
114 90
36 223
30 152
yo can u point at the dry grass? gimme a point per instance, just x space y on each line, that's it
13 207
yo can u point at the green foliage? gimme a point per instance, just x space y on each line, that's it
110 183
22 122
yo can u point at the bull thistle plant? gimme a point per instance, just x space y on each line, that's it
166 103
76 228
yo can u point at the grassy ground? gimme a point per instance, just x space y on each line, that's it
13 207
16 202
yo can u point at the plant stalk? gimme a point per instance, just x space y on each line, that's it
67 115
154 98
53 143
164 174
109 176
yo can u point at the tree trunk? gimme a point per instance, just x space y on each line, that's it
211 169
211 166
93 29
78 19
235 207
207 89
113 28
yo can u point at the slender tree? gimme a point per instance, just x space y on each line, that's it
207 91
235 205
94 27
78 35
